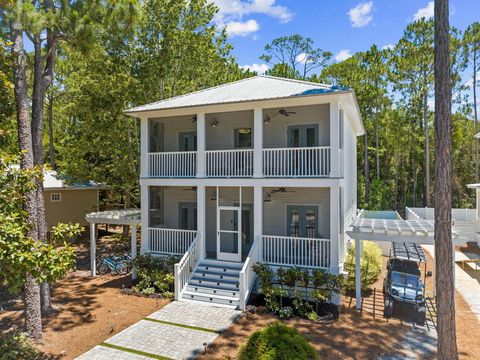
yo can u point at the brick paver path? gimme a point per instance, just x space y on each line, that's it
177 331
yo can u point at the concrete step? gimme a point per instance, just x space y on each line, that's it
218 269
216 274
214 282
220 263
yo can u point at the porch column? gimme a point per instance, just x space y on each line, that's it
93 246
334 229
200 145
201 226
358 284
144 203
134 247
334 139
144 147
257 143
258 217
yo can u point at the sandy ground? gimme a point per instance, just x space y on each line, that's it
365 335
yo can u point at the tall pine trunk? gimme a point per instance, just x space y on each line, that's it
51 138
475 111
427 152
33 319
444 279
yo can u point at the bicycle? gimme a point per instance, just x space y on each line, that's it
114 264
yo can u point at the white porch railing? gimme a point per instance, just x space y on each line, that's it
170 241
247 275
290 251
299 161
172 164
186 266
229 163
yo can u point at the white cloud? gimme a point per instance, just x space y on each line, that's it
239 28
388 46
260 69
237 9
343 55
425 12
301 58
361 15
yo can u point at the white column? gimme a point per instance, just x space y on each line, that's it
358 285
201 145
201 225
257 143
144 203
258 217
334 140
334 229
93 246
134 247
144 138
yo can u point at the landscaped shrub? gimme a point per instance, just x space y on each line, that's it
370 265
155 275
277 342
16 346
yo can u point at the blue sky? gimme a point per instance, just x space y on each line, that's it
342 26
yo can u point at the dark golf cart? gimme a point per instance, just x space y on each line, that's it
403 283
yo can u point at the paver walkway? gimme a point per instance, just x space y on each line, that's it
177 331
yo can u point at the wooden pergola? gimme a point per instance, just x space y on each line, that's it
129 217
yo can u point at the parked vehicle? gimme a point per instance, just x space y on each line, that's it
403 283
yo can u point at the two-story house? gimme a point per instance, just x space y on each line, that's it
261 169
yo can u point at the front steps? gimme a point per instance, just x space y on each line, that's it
215 282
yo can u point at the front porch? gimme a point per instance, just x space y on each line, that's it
241 226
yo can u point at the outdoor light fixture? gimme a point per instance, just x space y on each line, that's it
268 197
266 119
194 118
214 123
213 197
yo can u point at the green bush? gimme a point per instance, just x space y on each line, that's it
15 345
370 266
277 342
155 274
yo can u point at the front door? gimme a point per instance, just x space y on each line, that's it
187 141
229 245
302 221
187 215
303 135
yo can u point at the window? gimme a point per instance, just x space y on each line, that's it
243 138
56 197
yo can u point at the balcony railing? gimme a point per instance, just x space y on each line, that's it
169 241
172 164
301 161
229 163
296 251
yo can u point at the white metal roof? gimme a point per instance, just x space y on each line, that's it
261 87
119 217
52 181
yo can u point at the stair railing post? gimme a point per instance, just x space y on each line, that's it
178 288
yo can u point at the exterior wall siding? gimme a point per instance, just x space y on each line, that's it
73 207
172 196
172 126
221 137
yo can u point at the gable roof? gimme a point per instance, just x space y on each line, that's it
261 87
53 181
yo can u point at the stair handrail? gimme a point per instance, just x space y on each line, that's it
247 275
186 266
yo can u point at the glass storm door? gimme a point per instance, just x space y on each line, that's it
229 246
302 221
187 216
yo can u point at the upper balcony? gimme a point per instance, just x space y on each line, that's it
285 142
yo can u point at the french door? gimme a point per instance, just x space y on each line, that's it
302 221
303 135
229 239
187 141
187 215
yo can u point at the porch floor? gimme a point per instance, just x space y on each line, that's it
177 331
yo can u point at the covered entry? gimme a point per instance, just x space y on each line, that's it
129 217
419 231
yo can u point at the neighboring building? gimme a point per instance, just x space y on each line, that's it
68 203
262 169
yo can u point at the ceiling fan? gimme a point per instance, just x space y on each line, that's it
281 190
193 188
284 112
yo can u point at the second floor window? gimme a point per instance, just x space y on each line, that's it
243 138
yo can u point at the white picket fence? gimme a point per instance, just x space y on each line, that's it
172 164
229 163
300 161
290 251
186 266
169 241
